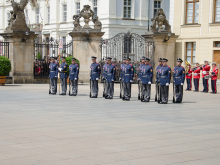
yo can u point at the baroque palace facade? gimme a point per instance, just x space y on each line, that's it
54 18
197 22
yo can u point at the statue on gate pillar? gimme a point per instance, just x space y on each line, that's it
17 21
158 21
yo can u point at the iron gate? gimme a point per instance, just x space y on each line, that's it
129 45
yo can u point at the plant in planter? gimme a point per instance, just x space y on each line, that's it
5 68
39 57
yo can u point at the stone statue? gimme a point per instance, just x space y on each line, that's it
76 22
86 13
160 20
97 23
12 18
17 21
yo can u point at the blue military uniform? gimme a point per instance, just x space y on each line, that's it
63 77
146 79
110 77
128 78
73 76
122 78
53 76
179 78
104 73
165 76
94 76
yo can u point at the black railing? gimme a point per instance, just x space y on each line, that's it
4 49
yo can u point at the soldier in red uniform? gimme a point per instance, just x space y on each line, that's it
214 75
196 76
205 76
189 79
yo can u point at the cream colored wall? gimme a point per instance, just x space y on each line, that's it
204 33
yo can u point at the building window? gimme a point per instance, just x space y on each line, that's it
48 14
127 8
95 7
37 15
64 40
157 5
8 16
191 51
217 10
192 11
26 17
77 8
217 44
64 13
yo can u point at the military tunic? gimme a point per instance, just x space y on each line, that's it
179 78
63 77
94 76
128 78
110 78
53 76
73 76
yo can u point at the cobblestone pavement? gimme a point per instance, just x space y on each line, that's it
41 129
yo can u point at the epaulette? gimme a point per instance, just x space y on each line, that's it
182 66
149 65
168 66
113 64
76 64
131 64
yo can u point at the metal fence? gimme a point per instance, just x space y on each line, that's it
4 48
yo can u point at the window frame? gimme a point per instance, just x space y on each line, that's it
26 16
157 6
215 7
77 10
192 43
95 6
64 20
37 15
127 6
194 2
48 14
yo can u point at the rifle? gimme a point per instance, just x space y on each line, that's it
139 96
90 94
69 86
159 93
59 72
141 92
156 86
49 86
121 88
174 93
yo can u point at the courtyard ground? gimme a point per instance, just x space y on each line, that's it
41 129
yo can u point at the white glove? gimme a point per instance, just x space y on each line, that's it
60 69
167 84
139 79
181 83
75 78
131 80
112 80
195 74
204 72
90 78
55 76
119 79
149 82
97 78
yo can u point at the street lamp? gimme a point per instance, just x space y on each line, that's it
169 34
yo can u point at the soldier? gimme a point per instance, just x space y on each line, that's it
205 76
104 77
110 77
146 79
53 75
74 72
196 76
94 77
128 78
165 75
57 65
189 79
179 78
63 75
157 80
139 68
214 75
122 77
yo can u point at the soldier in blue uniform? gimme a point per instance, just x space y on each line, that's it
128 79
73 76
104 71
94 76
140 67
157 80
110 78
63 75
179 78
165 76
53 75
146 79
122 77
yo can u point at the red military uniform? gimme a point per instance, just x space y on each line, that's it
196 77
214 79
205 76
189 79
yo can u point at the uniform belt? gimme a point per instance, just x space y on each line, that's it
109 74
126 74
72 73
162 76
52 71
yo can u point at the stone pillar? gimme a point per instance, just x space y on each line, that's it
86 45
21 54
163 49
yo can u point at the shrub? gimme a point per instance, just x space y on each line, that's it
39 57
69 61
5 66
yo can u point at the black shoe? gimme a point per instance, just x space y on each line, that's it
95 96
110 97
53 93
64 93
74 94
106 97
61 94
